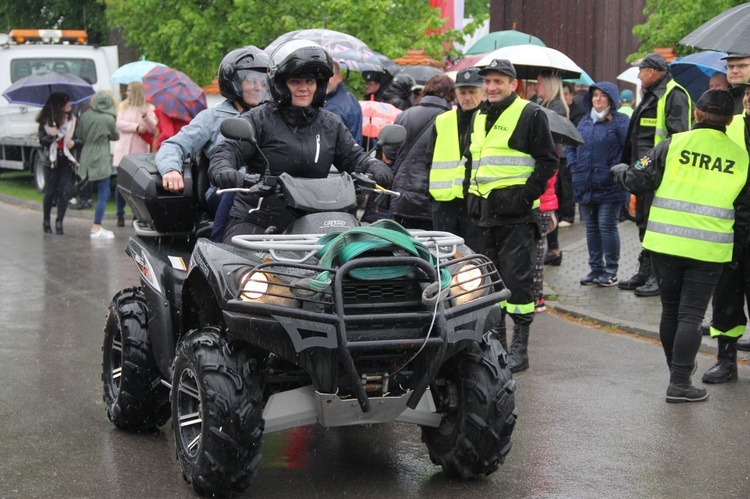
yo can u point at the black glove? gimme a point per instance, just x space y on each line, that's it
619 170
229 179
381 172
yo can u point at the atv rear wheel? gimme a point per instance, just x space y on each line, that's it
474 435
133 392
217 413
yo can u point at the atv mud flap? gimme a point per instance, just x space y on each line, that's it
305 405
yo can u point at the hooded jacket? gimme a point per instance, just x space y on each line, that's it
603 144
343 103
96 128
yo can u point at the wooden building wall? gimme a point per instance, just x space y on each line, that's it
596 34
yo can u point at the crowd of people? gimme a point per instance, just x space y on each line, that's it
481 159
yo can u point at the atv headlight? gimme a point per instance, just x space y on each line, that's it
468 278
253 285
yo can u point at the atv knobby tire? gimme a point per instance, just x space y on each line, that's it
217 413
474 438
133 392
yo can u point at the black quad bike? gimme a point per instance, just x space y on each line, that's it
327 322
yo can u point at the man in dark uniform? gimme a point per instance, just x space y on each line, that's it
512 155
738 73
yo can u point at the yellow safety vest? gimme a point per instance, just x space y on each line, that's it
498 165
447 171
660 122
736 129
692 215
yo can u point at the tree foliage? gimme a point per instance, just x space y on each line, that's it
194 35
56 14
669 21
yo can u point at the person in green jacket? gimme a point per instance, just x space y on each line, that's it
97 128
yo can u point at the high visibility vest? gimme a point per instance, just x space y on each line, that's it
660 122
448 171
499 165
693 210
736 129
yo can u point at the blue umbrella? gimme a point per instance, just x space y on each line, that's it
133 71
35 89
693 71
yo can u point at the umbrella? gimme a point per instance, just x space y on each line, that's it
498 39
35 89
376 115
421 73
694 71
390 67
173 93
584 79
630 75
466 62
729 31
344 49
133 71
529 60
563 130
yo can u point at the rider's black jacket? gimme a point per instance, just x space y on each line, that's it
303 142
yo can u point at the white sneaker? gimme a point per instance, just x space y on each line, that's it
103 234
563 224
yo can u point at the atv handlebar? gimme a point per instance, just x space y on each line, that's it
267 185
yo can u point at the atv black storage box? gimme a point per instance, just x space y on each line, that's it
140 184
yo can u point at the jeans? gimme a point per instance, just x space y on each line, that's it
685 287
602 235
102 196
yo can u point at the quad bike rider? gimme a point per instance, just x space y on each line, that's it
326 322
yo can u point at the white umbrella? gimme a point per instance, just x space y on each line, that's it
529 60
630 75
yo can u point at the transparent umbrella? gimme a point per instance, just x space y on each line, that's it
343 48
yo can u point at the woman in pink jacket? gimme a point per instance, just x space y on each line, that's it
134 117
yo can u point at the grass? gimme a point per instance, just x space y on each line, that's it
21 185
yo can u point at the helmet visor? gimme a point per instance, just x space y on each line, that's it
252 85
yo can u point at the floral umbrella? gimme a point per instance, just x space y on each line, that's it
376 115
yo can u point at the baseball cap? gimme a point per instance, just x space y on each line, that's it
719 102
375 76
653 61
502 65
469 77
626 96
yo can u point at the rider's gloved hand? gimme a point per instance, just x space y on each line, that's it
229 179
381 172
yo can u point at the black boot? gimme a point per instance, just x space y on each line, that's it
47 227
519 357
59 227
640 277
705 329
651 288
680 389
744 344
121 220
725 368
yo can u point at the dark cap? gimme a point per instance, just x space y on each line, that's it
719 102
501 65
735 55
653 61
375 76
469 77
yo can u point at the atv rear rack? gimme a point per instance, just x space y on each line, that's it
308 244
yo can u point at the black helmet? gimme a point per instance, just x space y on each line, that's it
296 59
403 83
234 67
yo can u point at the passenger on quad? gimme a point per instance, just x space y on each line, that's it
244 84
295 134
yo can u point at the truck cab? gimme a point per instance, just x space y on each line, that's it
27 51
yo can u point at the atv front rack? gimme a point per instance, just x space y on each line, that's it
444 244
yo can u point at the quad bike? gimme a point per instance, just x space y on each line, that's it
327 322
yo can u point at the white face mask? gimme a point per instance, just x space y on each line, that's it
598 116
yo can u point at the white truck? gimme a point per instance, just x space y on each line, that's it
27 51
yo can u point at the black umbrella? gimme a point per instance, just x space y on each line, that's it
34 90
421 73
728 32
563 130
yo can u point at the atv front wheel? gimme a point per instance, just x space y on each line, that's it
479 412
217 413
133 392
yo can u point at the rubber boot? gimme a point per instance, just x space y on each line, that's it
651 288
640 277
744 344
519 357
680 389
725 368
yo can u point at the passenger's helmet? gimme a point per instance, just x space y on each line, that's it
235 66
403 83
298 59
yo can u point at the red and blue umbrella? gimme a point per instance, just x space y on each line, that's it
35 89
174 93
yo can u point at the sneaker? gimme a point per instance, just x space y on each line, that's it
606 280
564 224
102 234
679 394
589 279
539 305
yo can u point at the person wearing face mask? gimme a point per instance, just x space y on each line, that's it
600 198
295 134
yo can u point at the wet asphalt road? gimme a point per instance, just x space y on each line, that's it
593 421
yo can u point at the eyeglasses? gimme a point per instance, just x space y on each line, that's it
736 66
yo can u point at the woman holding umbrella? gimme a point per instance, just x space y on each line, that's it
56 127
